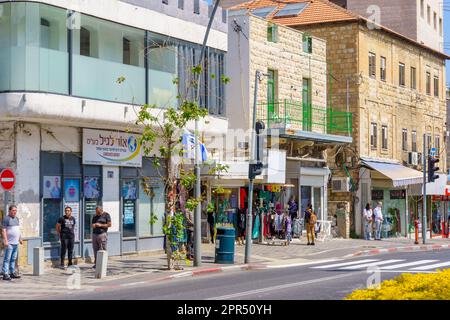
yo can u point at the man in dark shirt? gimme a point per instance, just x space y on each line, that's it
66 230
100 224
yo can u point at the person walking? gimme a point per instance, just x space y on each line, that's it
378 217
293 210
66 230
189 221
211 223
310 222
100 224
288 228
11 238
367 218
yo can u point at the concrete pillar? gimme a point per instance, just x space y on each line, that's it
101 264
38 261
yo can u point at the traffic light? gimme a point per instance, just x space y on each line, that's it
432 169
255 169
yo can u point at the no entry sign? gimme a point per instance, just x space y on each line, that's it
7 179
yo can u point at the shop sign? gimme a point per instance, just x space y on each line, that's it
397 194
377 195
111 148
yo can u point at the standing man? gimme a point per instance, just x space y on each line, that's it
66 230
11 239
367 215
100 224
378 220
293 210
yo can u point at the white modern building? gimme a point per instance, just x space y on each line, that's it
67 125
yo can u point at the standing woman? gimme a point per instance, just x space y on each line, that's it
66 230
367 216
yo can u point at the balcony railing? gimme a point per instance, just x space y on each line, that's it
292 115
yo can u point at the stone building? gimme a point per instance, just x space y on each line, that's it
395 88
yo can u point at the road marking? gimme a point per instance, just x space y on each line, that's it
415 263
280 287
371 264
433 266
345 264
300 264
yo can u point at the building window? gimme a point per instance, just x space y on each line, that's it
422 8
224 16
405 139
414 141
428 14
436 86
197 6
165 1
413 78
440 27
307 43
428 83
429 146
85 42
437 143
272 32
435 21
383 68
45 34
401 74
272 102
307 104
126 51
373 135
372 65
384 137
181 4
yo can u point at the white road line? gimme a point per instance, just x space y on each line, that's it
433 266
280 287
415 263
364 265
345 264
300 264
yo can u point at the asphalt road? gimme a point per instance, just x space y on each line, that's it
332 280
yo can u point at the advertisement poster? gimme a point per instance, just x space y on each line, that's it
52 187
128 212
91 187
111 148
71 190
129 190
76 214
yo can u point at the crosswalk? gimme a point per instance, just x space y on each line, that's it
390 265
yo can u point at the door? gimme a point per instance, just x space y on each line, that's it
306 105
129 214
72 199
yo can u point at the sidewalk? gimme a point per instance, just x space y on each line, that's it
134 269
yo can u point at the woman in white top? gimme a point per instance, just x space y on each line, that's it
367 216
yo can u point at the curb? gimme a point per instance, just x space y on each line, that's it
429 247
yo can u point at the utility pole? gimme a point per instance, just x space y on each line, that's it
198 210
424 210
253 170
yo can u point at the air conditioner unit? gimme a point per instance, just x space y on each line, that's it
413 158
341 184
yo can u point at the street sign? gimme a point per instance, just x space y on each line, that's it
7 179
433 152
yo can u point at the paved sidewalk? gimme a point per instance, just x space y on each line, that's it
134 269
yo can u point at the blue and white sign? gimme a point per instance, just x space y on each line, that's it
188 141
433 152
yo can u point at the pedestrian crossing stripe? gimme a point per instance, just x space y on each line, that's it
433 266
345 264
408 264
371 264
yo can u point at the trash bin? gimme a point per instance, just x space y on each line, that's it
225 245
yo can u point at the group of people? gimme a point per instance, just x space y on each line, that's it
373 221
65 226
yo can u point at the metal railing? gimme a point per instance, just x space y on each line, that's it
292 115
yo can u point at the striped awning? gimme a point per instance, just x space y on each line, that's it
399 174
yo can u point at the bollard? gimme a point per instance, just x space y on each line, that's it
101 264
416 231
38 261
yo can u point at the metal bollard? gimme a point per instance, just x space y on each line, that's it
38 261
101 264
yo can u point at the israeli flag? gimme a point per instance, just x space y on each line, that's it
188 141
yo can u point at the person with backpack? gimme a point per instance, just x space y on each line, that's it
310 222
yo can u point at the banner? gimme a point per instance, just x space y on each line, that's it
111 148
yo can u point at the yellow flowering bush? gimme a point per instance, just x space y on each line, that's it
431 286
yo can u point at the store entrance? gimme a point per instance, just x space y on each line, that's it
130 191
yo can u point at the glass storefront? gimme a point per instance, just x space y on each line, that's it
393 209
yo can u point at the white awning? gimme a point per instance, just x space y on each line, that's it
399 174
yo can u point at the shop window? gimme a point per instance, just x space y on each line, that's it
129 196
92 186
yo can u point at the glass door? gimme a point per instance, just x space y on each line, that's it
51 207
92 199
317 206
72 200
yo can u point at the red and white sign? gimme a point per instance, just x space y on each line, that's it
7 179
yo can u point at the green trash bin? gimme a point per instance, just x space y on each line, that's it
225 245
